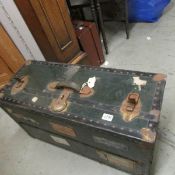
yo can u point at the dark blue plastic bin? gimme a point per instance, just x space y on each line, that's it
146 10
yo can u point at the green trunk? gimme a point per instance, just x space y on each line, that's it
117 114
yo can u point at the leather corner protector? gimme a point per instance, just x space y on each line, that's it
148 135
159 77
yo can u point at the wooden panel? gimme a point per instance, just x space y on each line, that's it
10 57
53 20
37 31
5 73
62 35
9 52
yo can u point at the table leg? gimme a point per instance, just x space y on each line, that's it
126 19
82 14
69 6
93 11
101 23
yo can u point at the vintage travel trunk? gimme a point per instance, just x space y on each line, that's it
108 115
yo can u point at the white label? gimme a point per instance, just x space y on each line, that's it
107 117
34 99
91 82
60 140
137 81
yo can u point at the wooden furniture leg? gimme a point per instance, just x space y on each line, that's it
82 14
126 19
101 23
94 14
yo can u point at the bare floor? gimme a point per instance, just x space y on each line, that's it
151 48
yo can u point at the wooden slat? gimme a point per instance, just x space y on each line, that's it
5 73
10 57
33 23
9 52
51 18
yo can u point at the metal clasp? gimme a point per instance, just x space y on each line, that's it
132 101
58 105
131 107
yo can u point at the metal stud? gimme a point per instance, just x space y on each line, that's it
130 130
150 125
154 104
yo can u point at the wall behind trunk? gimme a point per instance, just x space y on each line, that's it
14 24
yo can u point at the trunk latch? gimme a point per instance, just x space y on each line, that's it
60 104
133 99
131 107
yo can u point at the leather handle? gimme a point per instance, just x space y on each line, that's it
69 85
85 91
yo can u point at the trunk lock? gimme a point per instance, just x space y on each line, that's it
131 107
58 105
133 99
